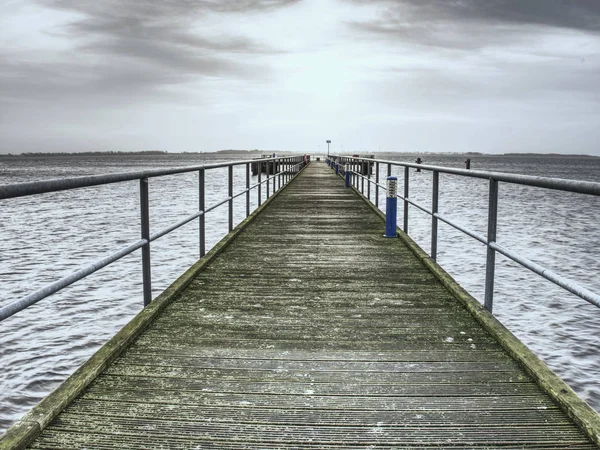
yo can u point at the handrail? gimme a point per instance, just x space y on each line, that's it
343 163
560 184
283 169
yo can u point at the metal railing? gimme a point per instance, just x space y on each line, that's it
356 167
279 172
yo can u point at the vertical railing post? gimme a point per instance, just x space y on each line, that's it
145 228
348 173
278 175
362 179
202 206
247 189
391 208
274 176
405 227
268 180
230 195
259 184
434 210
369 181
377 184
490 264
389 170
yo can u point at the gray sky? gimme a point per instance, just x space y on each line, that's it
396 75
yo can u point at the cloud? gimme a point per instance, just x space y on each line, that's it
120 51
472 24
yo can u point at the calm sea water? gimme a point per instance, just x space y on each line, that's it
45 237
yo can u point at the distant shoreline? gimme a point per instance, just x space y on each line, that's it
142 153
256 152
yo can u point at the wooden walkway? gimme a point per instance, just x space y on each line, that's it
311 330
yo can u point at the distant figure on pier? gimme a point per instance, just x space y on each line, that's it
419 161
468 163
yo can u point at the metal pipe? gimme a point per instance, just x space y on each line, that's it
230 193
368 182
216 205
268 184
279 173
247 189
145 231
144 243
561 184
468 232
549 275
418 206
377 185
406 201
30 299
260 185
434 209
173 227
62 184
362 184
490 265
239 194
202 209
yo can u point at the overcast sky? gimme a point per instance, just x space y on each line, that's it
396 75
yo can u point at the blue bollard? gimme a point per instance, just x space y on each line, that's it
337 168
347 169
391 207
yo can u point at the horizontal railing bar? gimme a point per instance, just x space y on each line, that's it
549 275
370 180
62 184
18 305
181 223
550 183
561 184
198 214
240 194
34 297
473 234
221 203
416 205
254 186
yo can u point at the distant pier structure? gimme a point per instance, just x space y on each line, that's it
268 167
365 167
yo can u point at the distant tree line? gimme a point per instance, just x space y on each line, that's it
109 152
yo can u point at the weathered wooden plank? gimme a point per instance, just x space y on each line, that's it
141 383
420 403
305 355
327 435
243 374
319 365
409 418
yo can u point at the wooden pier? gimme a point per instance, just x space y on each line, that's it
306 328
